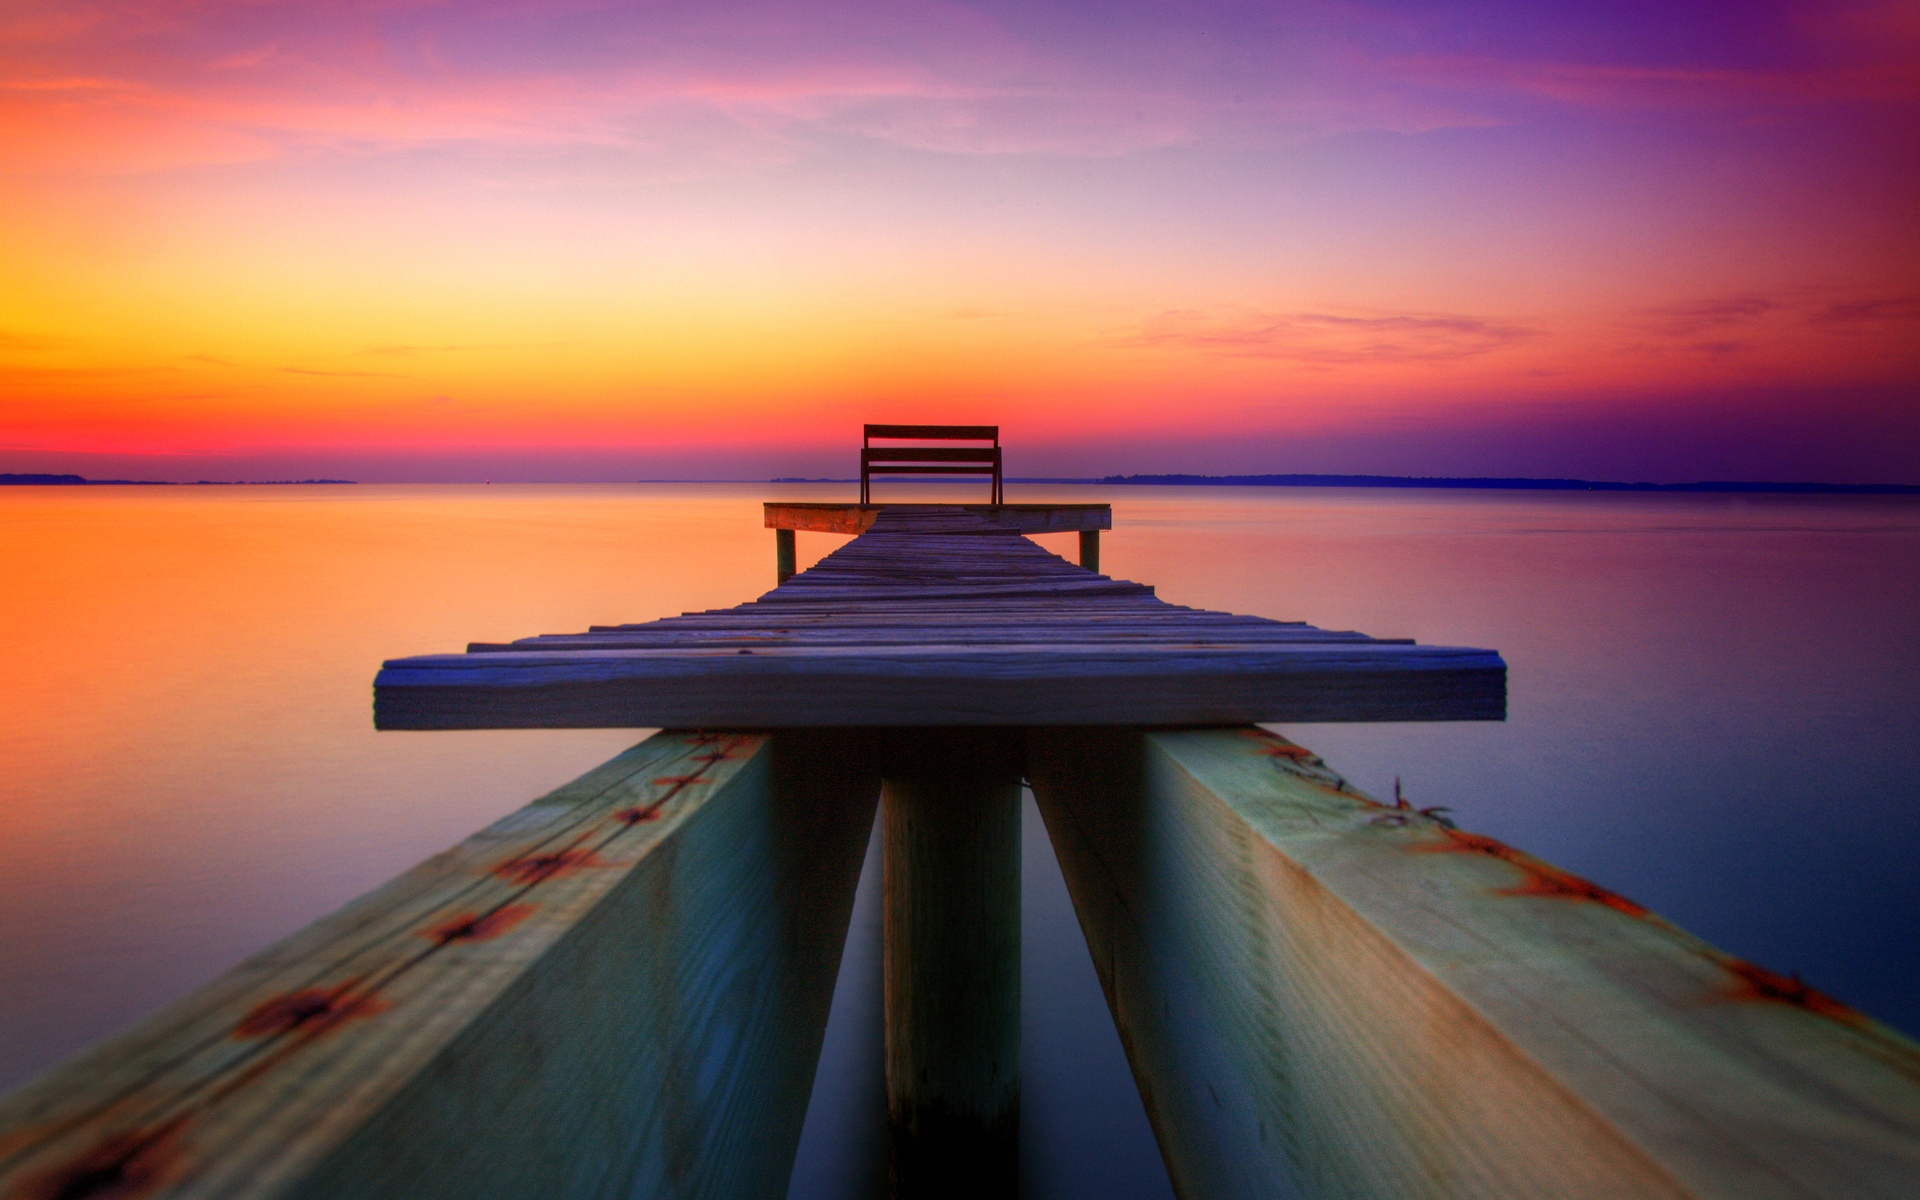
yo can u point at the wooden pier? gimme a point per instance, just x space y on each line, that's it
621 989
942 615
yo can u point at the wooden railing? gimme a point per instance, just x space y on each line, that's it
621 991
1328 996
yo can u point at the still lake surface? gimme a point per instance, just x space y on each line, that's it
1714 709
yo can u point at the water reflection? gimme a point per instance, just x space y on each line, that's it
1714 709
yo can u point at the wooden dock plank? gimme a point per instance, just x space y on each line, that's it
937 615
1321 993
619 990
817 517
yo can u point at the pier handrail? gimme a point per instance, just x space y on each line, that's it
930 460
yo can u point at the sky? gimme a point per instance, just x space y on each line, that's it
571 240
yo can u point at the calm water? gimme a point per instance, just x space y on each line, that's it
1715 709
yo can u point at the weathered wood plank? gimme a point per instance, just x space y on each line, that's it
979 433
619 990
920 686
1321 992
929 454
855 519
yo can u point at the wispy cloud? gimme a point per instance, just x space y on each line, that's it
1723 322
343 374
1331 338
29 341
1877 310
67 84
169 83
401 350
1663 87
1694 318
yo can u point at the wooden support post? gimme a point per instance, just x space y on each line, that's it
1090 549
785 559
617 991
951 819
1326 996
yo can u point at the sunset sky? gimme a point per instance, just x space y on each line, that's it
559 239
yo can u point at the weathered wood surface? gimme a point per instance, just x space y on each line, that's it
1322 993
950 810
980 433
936 616
617 991
915 460
784 556
816 517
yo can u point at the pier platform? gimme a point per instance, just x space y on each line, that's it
942 615
818 517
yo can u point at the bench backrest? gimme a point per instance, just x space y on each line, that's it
930 460
936 433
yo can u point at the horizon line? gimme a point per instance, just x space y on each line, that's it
1445 482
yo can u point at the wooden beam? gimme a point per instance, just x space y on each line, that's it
984 469
619 990
1327 996
928 433
989 455
1090 550
939 616
785 556
1047 518
855 519
950 809
942 683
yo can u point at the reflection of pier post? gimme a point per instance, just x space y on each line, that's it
951 804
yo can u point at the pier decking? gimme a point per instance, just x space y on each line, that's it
942 615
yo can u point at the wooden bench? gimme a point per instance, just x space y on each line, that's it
930 460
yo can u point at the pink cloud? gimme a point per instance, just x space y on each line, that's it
1618 85
146 84
1331 338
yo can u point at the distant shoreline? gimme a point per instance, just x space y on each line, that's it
1462 482
31 480
1507 484
1735 487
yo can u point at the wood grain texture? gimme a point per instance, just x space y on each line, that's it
937 616
784 556
1320 992
977 433
986 455
853 519
950 806
619 990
